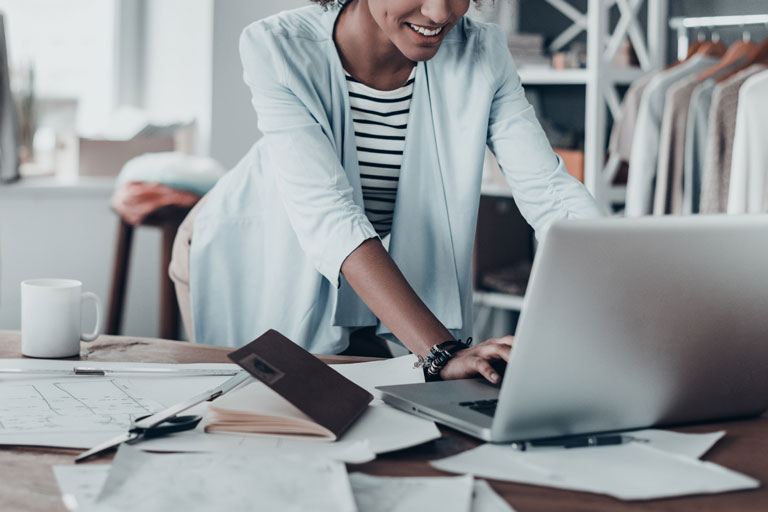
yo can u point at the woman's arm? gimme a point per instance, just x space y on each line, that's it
377 280
543 190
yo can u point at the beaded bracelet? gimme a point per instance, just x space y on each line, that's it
438 357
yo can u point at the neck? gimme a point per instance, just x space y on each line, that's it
365 50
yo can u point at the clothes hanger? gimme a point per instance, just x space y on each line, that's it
757 55
761 53
713 47
736 58
694 47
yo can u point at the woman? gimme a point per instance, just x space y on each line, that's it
376 115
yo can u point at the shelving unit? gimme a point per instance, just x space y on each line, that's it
546 76
600 80
498 300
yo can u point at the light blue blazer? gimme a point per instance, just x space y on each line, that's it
268 244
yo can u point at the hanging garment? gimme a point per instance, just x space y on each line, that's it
671 164
695 144
645 142
672 146
722 123
749 165
624 128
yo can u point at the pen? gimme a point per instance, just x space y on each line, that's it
578 442
85 370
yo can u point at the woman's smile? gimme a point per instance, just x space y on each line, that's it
426 35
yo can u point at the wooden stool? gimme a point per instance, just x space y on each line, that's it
167 218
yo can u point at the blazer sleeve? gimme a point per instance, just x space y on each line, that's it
542 188
310 179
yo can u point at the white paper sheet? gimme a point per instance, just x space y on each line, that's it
381 428
388 429
397 494
690 445
388 372
71 405
353 452
244 481
82 411
69 412
80 484
485 499
58 364
631 471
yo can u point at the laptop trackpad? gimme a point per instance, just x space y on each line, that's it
449 397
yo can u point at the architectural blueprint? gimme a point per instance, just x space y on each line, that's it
70 405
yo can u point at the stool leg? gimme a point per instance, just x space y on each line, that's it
169 308
119 277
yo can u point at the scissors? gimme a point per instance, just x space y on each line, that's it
166 421
136 433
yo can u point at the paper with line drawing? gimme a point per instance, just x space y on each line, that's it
70 405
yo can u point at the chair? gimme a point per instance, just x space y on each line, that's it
174 205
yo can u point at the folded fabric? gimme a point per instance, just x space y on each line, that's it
135 201
176 170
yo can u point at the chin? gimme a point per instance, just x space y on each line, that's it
421 56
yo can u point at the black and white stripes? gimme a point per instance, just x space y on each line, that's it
380 119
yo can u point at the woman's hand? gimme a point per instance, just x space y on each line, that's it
476 360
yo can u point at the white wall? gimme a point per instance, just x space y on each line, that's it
69 232
233 121
178 61
191 66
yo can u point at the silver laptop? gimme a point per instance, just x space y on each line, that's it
627 323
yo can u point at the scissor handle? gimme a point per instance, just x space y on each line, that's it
171 425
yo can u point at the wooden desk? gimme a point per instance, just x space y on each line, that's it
27 482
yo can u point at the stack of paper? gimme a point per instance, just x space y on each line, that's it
266 480
75 411
381 428
397 494
233 482
51 409
663 466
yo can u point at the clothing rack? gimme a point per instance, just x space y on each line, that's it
682 24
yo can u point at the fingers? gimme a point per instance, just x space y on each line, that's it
493 351
504 340
484 368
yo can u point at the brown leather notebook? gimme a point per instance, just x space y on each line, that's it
328 398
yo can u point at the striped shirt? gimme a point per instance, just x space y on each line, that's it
380 119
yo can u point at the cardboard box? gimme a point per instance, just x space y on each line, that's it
574 162
103 157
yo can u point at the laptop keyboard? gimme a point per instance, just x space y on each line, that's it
487 407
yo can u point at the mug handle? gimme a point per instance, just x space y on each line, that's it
96 330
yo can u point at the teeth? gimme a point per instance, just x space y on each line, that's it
424 31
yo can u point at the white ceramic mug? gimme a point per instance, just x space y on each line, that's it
50 317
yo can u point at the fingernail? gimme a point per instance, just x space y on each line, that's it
494 377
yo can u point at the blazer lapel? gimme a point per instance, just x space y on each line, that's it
421 242
349 310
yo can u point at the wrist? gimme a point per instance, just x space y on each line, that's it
439 356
